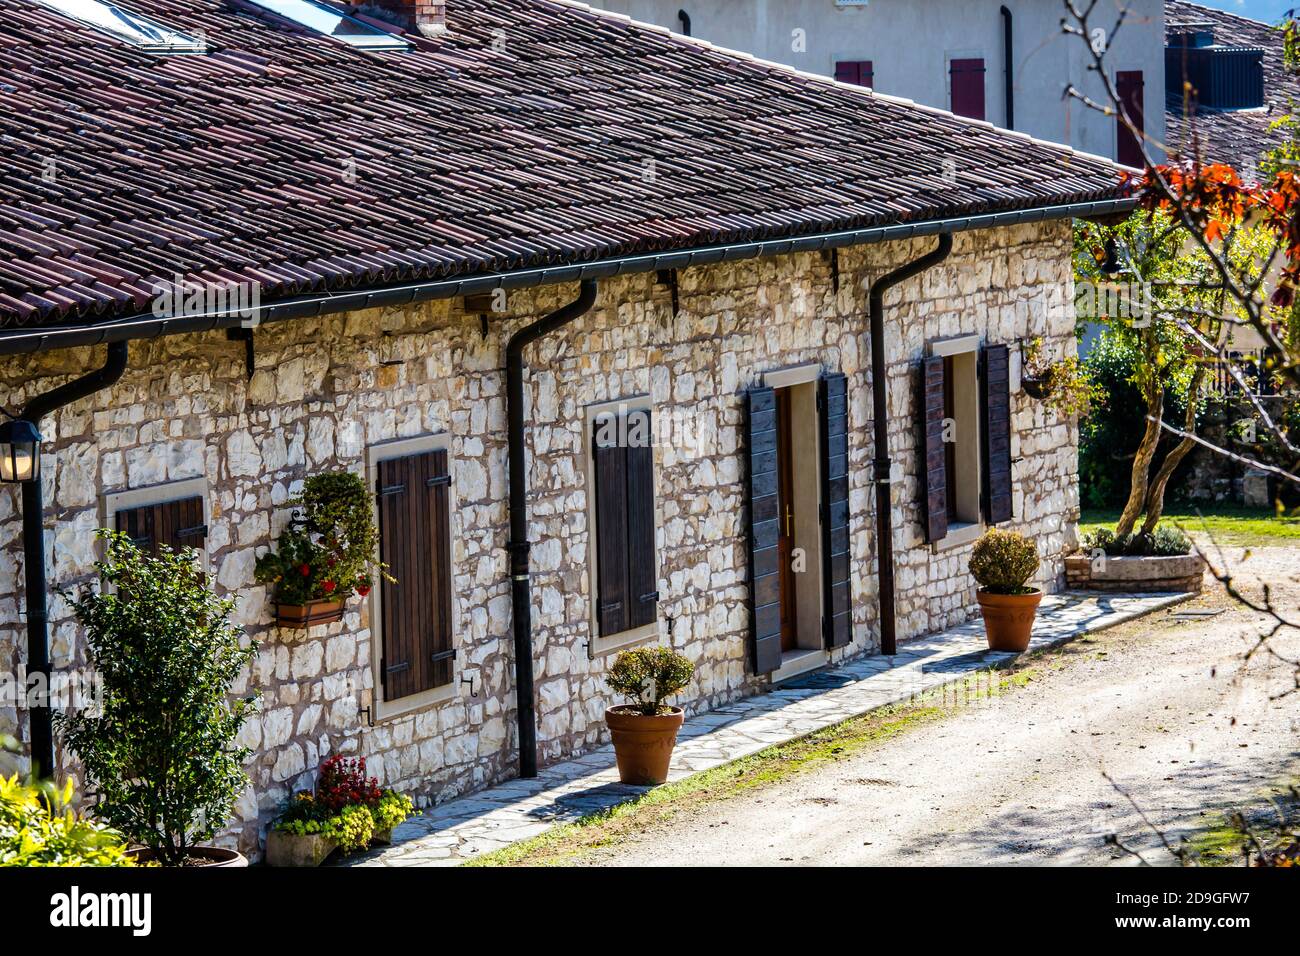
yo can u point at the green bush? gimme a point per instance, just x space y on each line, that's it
1003 561
159 756
1167 541
1109 438
647 676
38 827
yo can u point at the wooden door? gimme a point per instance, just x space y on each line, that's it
785 509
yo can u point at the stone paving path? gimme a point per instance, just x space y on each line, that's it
468 826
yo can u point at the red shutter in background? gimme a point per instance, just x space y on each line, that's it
856 72
1128 149
967 78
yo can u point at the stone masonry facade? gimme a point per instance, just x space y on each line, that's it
326 389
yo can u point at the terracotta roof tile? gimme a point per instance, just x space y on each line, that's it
288 158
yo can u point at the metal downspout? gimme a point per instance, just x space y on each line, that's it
38 630
882 464
1008 76
519 543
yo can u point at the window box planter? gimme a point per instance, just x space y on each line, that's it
290 849
1178 573
309 614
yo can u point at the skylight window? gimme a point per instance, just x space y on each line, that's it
131 27
332 23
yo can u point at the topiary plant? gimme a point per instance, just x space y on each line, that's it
158 755
647 676
1003 561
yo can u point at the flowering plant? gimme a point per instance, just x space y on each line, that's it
347 807
327 551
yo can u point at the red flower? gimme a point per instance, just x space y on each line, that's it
329 587
305 569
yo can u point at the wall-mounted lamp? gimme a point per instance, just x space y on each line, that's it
20 451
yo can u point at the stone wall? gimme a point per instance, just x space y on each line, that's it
325 389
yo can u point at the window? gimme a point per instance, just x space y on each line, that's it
332 23
135 29
966 77
413 614
967 423
856 72
1128 148
174 515
621 509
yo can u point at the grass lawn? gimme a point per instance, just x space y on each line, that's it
1228 525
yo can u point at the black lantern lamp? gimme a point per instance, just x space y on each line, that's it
20 451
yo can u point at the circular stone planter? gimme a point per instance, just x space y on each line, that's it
1183 572
204 856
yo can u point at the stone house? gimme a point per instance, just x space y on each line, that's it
482 242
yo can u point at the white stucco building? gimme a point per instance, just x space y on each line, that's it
947 53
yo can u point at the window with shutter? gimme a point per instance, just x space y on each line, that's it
967 87
413 612
833 408
764 530
173 515
966 416
622 514
856 72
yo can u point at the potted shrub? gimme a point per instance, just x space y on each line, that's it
348 811
1002 563
158 751
645 729
326 554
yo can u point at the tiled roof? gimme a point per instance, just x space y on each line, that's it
534 133
1238 137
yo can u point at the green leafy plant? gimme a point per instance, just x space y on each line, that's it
647 676
158 755
327 550
38 827
1002 562
1063 385
1166 541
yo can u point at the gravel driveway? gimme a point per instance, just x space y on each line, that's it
1162 705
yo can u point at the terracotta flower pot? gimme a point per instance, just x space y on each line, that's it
309 614
198 856
643 745
1008 619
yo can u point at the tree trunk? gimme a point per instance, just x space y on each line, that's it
1137 494
1155 503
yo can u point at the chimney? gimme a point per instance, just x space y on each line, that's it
427 16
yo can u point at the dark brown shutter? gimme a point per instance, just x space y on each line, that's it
856 72
934 473
611 526
997 434
642 573
415 543
833 406
176 524
764 573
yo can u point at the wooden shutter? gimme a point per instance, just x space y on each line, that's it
642 570
175 524
857 72
1129 87
833 408
967 77
626 571
764 572
934 472
415 543
997 433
